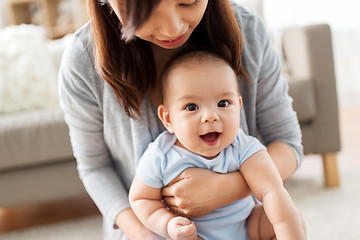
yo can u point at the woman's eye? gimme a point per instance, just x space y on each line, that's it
188 3
223 103
191 107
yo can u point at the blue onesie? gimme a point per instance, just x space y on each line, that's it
163 161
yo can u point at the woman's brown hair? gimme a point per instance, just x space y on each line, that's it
128 66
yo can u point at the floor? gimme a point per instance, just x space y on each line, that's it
22 217
331 213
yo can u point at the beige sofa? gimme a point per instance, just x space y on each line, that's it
36 158
308 53
36 162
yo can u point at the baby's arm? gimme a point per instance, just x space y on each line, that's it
146 203
265 182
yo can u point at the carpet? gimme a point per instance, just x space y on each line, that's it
330 214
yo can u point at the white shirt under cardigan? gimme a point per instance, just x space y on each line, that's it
108 144
163 161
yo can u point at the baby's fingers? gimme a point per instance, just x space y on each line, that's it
187 231
182 221
182 228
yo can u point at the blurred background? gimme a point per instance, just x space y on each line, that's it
344 21
41 196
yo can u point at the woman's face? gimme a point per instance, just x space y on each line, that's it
171 22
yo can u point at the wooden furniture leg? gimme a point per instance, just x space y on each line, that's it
331 172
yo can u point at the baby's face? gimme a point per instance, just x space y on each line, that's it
203 103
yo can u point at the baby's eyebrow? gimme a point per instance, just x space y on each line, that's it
229 93
186 97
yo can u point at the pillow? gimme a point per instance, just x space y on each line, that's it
28 76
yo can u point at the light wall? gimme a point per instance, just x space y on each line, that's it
3 12
344 20
342 15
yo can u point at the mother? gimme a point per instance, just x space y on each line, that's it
109 89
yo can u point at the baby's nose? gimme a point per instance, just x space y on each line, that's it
209 117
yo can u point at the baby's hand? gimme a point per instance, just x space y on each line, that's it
181 228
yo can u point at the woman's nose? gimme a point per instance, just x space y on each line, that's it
170 24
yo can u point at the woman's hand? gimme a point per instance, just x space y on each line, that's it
196 191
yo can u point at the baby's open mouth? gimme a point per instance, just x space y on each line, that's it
210 138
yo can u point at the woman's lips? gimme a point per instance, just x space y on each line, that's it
176 41
211 138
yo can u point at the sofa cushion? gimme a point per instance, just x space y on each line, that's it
33 137
304 102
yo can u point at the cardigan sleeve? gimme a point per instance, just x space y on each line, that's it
268 106
80 90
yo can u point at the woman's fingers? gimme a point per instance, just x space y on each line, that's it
176 210
170 201
167 191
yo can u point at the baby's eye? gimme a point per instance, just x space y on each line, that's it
223 103
191 107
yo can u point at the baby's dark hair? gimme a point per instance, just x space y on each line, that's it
193 55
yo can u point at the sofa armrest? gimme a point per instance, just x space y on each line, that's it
308 54
304 103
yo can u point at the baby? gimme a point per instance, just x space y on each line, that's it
201 112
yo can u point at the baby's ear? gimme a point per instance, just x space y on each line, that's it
165 117
240 101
